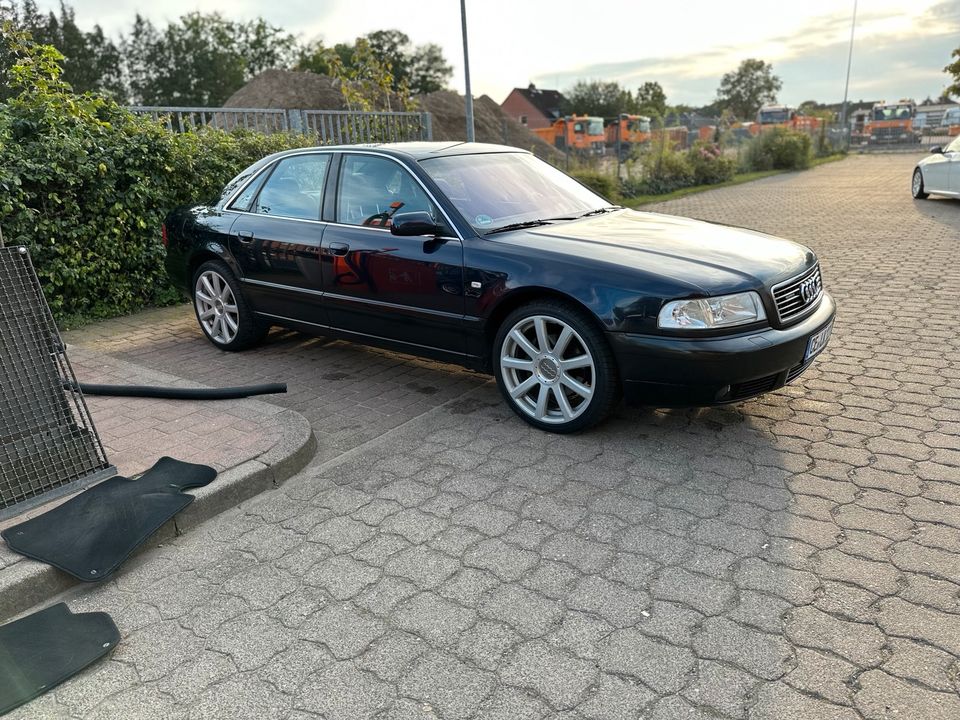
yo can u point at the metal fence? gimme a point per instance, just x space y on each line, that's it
47 439
329 126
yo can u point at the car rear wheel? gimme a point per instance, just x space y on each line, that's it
555 368
222 311
917 185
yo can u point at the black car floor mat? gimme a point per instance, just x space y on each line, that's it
92 533
42 650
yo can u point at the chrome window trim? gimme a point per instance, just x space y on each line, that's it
345 151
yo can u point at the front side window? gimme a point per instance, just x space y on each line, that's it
497 189
373 189
294 188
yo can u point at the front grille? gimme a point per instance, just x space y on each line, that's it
750 388
798 295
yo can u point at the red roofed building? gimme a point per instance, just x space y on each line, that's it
533 107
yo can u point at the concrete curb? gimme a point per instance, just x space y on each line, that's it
27 582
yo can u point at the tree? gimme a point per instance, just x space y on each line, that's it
604 99
651 100
748 87
90 60
953 69
429 70
201 59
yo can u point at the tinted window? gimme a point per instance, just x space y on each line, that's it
294 188
245 198
373 189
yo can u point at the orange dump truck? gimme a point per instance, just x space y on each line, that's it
892 123
630 130
581 133
786 117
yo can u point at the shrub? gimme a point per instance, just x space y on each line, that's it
603 185
668 171
710 165
779 149
85 184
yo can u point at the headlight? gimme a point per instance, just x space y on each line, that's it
710 313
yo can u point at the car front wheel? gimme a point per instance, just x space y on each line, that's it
555 368
917 185
222 311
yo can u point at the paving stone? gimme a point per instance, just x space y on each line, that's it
823 674
617 604
762 654
486 643
342 692
776 701
858 642
616 698
343 629
389 656
882 697
722 687
585 555
251 640
658 665
455 689
341 576
942 630
440 621
580 634
707 595
915 661
794 586
529 613
556 676
424 567
513 704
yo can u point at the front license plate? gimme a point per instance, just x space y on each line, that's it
817 342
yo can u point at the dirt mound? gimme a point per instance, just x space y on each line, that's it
285 89
288 90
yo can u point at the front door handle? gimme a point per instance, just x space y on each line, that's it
245 236
338 248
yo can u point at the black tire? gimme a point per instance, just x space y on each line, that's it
249 330
916 188
546 373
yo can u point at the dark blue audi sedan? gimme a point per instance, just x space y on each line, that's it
485 256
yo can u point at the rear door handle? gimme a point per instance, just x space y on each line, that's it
245 236
338 248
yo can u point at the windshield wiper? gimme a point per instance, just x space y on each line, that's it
601 211
518 226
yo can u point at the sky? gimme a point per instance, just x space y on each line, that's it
900 48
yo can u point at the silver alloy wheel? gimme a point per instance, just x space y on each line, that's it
917 182
216 307
547 369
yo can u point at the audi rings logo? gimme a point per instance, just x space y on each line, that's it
810 289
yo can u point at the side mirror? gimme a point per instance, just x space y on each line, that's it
936 150
415 223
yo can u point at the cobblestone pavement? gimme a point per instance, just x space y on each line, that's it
791 558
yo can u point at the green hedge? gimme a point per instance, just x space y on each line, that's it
779 149
85 184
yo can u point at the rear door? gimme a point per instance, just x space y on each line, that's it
952 153
277 236
402 289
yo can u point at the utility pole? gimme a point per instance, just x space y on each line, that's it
466 70
846 86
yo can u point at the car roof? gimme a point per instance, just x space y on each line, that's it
413 150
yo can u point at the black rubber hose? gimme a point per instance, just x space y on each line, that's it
169 393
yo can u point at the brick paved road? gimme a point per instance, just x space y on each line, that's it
791 558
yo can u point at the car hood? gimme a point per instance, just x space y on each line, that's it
706 255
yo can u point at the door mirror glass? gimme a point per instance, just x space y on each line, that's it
936 150
415 223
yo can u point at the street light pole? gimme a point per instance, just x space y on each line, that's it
466 70
846 86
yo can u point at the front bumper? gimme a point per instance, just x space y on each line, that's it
684 372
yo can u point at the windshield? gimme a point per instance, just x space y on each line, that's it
497 189
769 117
595 126
893 112
638 125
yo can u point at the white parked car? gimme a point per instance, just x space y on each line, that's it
939 172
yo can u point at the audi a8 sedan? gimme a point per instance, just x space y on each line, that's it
938 173
488 257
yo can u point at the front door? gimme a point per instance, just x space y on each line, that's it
276 239
378 285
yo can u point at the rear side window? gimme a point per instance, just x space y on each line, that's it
243 201
294 188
